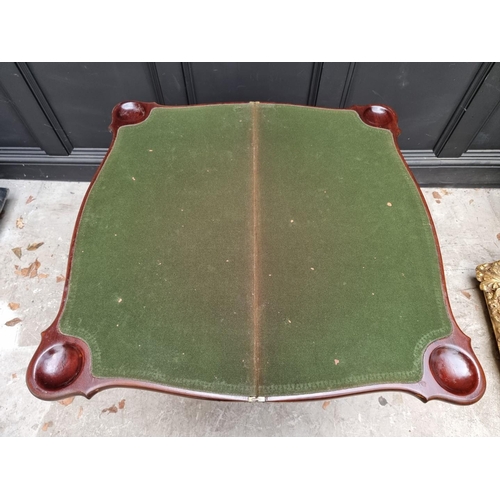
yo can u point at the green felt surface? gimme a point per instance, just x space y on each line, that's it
166 265
350 279
161 243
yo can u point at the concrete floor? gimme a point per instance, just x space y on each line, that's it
467 222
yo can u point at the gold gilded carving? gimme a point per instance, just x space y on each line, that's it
489 276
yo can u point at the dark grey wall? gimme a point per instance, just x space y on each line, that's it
424 95
63 109
13 132
489 136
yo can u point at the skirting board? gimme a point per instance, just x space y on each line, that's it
480 168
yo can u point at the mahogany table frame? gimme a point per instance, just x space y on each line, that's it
61 366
